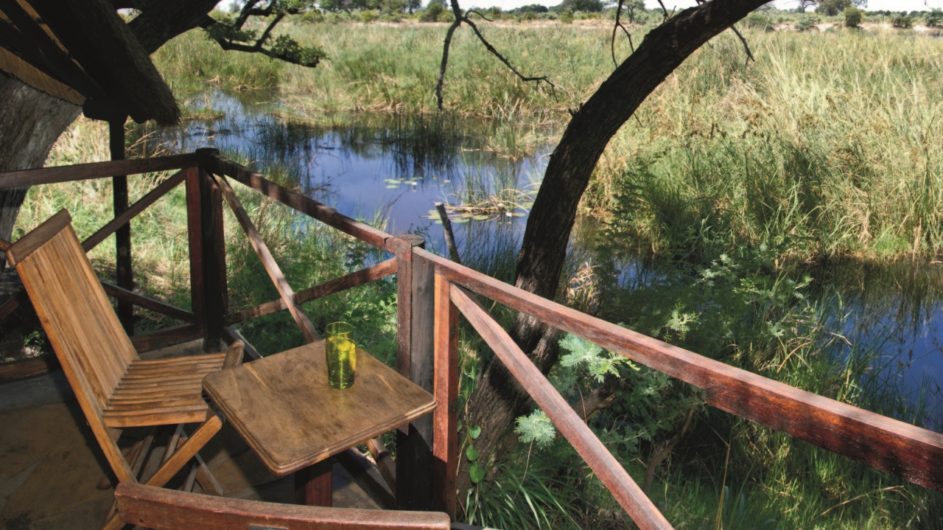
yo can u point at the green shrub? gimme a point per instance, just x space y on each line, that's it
566 17
758 21
902 22
313 16
432 13
853 17
806 23
934 19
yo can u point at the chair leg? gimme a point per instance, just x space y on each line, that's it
191 478
114 522
206 478
234 354
185 452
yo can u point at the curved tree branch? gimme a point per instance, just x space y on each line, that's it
497 400
464 18
615 28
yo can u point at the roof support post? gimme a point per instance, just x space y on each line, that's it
124 275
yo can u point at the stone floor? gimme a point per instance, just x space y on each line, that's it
53 475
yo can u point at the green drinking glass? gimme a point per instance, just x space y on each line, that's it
341 355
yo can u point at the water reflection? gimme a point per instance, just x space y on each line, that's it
380 168
895 313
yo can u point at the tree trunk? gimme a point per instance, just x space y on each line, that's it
498 400
30 123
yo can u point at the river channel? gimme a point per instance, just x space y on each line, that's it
391 170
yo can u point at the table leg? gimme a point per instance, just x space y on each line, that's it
313 484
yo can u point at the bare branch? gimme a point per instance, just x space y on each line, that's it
479 13
494 51
615 28
443 65
743 40
463 18
664 10
246 12
746 45
268 30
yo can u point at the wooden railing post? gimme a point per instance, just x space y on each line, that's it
208 283
414 478
124 275
445 417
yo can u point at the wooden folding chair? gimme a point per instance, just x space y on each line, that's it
114 387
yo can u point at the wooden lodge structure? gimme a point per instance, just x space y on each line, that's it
433 295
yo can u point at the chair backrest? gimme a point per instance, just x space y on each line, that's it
81 324
163 509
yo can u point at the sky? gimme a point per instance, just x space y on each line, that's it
893 5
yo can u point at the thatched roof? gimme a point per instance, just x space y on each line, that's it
83 52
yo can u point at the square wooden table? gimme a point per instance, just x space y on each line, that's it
285 410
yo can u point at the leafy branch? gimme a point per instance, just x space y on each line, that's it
231 34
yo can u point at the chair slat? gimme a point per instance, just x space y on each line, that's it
77 316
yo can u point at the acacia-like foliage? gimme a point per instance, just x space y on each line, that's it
231 32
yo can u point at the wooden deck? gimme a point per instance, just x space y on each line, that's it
52 475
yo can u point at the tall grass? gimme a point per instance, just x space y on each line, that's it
830 144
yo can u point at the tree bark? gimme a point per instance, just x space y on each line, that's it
497 399
30 123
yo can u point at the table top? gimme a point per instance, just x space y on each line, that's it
285 410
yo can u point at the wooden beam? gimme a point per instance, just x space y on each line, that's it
881 442
124 272
147 302
415 466
166 337
605 466
165 509
445 416
348 281
132 211
299 202
38 79
77 172
215 284
46 51
196 251
268 261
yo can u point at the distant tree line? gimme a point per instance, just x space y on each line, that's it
378 5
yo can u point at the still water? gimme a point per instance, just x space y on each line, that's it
391 170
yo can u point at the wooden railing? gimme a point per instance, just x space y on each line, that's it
432 292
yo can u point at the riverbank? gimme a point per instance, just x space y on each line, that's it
826 146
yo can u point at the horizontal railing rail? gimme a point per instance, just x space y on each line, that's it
881 442
297 201
95 170
101 170
334 286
